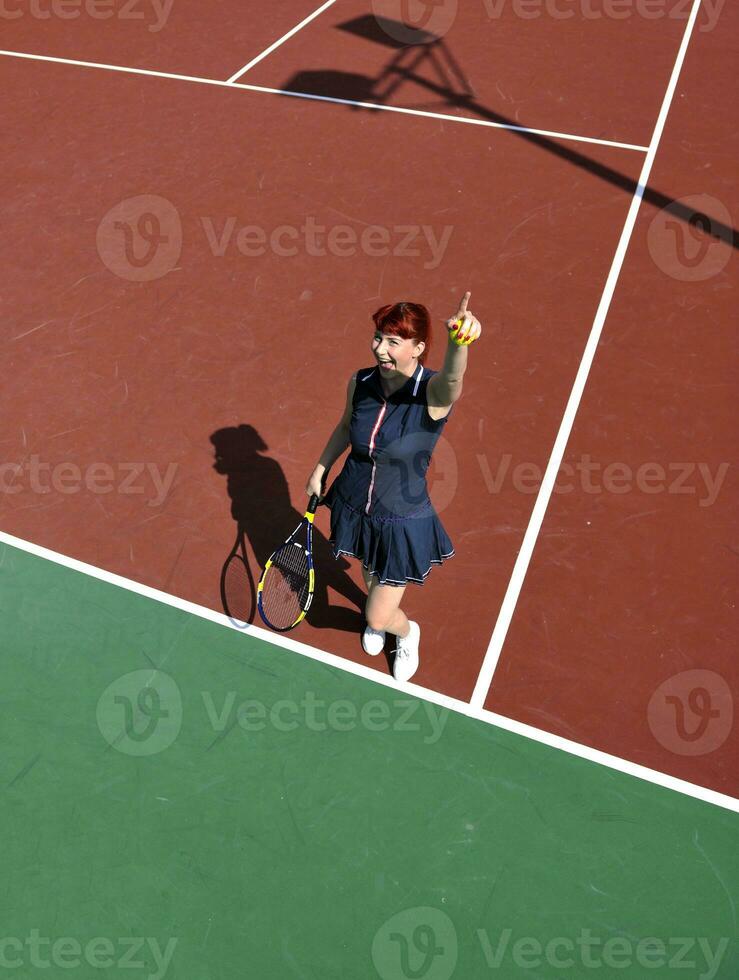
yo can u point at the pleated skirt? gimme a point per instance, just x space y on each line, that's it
398 550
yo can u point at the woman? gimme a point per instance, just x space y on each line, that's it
381 512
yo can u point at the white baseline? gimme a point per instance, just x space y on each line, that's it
462 120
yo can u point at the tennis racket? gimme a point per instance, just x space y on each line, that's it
286 586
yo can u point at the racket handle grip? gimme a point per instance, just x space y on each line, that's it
313 503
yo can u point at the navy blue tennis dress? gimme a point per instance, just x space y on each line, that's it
381 512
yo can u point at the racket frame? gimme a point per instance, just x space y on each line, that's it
308 519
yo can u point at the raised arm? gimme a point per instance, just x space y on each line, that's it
446 386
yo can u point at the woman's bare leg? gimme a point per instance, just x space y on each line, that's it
383 610
369 580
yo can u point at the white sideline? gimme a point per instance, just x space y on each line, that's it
322 98
452 704
271 48
520 568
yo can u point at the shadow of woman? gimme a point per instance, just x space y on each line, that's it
265 516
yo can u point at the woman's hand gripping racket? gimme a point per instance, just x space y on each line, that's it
286 587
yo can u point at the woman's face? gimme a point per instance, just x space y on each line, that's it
394 354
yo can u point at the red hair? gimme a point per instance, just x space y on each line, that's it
410 321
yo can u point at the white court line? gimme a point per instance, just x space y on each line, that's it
568 419
271 48
359 670
324 98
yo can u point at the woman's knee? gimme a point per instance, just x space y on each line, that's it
376 620
382 605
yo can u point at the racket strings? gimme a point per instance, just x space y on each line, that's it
286 585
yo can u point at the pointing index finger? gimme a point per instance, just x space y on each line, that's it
463 304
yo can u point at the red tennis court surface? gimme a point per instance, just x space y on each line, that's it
150 334
634 580
490 63
183 36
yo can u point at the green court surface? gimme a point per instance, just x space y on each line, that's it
184 800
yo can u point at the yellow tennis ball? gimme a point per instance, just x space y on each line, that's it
453 333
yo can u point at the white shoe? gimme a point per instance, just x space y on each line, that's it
373 641
406 655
